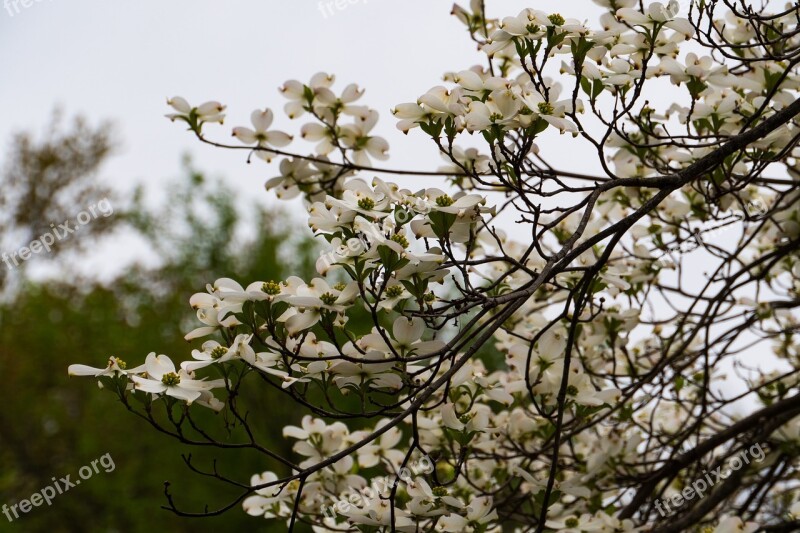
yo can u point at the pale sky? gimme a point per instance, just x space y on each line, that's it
120 60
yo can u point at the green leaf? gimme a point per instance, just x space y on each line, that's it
586 85
597 88
441 222
695 87
388 257
539 126
432 128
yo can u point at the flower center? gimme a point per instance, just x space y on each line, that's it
556 19
400 239
272 288
170 379
328 298
444 201
546 108
366 203
394 291
218 352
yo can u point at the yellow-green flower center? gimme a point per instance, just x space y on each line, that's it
272 288
340 286
394 291
546 108
218 352
366 203
328 298
120 363
571 522
444 201
429 297
556 19
400 239
572 390
439 491
170 379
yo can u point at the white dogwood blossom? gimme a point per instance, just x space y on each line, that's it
260 135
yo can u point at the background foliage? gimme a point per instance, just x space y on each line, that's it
50 427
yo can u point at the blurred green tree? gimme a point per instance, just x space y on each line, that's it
49 180
48 426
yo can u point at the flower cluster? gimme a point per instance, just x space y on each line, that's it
157 378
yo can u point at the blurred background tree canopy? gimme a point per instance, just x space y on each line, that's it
51 427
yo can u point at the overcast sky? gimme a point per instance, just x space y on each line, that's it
120 60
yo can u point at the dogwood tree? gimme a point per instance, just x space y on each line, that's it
563 351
